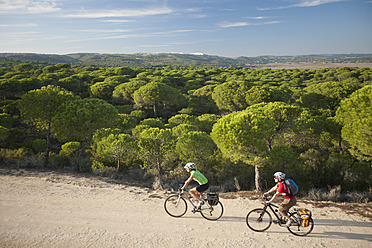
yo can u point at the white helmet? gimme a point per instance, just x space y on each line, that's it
279 175
189 166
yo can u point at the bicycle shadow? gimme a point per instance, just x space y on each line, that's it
328 222
342 235
232 219
222 219
337 234
331 228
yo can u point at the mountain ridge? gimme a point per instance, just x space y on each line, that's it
177 59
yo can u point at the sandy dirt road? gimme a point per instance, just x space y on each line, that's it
51 210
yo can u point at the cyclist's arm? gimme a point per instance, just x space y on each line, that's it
272 189
187 182
274 196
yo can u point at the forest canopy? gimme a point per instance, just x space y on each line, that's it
239 125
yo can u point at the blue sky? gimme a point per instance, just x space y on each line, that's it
229 28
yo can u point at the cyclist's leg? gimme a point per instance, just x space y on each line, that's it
286 205
195 194
201 189
197 191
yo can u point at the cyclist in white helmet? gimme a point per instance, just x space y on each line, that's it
199 178
282 188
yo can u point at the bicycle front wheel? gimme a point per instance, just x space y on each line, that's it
297 228
258 220
175 206
211 212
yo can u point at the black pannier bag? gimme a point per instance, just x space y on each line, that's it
212 198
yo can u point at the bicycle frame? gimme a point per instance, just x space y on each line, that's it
271 207
260 219
187 195
177 207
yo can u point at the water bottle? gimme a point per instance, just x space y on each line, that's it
192 200
277 213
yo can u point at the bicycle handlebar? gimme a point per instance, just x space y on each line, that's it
180 189
266 199
267 202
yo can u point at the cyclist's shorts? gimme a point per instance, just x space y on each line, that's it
202 188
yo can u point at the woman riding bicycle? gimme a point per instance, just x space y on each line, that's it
198 177
282 188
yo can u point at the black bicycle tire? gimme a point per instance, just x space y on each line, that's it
212 219
294 215
261 210
167 210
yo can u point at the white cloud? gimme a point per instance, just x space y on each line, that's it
304 3
18 34
235 24
120 13
28 6
105 30
147 46
18 25
36 37
313 3
243 24
154 34
258 17
198 16
181 43
123 36
181 31
118 21
133 35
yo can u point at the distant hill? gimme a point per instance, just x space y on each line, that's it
49 58
174 59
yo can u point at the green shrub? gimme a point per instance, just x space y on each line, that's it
39 145
70 148
12 156
335 195
99 168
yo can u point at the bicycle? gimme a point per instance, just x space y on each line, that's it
176 205
260 220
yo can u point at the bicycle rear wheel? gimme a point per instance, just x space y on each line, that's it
175 206
297 229
211 212
258 220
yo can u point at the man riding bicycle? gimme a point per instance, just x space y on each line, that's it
282 188
199 178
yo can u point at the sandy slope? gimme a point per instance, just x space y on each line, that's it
52 210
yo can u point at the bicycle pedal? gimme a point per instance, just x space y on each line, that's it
195 210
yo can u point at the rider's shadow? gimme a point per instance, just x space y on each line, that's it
343 223
332 229
232 219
